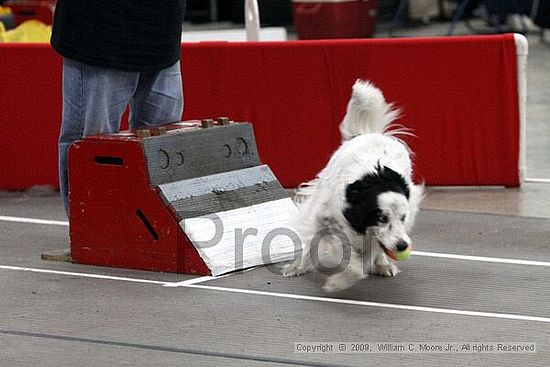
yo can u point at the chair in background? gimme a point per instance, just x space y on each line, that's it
496 12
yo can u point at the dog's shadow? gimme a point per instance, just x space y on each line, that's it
404 287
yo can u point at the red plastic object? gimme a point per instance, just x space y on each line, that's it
27 10
320 19
110 193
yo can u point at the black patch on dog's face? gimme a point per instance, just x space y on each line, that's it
362 196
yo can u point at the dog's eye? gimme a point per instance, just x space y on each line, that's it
382 218
403 218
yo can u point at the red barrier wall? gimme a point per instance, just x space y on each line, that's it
458 94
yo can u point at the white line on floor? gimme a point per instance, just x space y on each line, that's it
194 281
83 275
375 304
33 221
538 180
415 253
191 284
481 258
206 278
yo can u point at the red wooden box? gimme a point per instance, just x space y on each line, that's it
117 217
140 200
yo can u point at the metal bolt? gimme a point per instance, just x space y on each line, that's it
224 121
159 130
143 133
206 123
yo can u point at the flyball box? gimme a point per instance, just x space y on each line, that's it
190 197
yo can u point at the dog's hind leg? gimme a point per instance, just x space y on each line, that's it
354 272
301 264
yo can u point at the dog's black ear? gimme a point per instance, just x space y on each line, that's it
362 206
355 192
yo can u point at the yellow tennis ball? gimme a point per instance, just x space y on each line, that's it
402 255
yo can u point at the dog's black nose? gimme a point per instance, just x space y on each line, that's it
401 246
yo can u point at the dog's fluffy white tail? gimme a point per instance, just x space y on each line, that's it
367 112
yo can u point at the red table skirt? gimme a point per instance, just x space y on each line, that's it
459 95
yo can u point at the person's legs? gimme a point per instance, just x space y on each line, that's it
94 100
158 99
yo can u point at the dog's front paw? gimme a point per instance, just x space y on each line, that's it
294 269
386 270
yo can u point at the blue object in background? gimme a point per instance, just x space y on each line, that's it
523 7
8 19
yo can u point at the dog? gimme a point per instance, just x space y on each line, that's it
364 194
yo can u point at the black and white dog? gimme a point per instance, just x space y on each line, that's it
364 194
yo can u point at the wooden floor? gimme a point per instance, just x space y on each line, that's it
54 313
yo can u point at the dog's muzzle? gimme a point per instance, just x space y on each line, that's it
400 246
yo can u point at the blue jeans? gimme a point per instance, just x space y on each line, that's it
95 98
